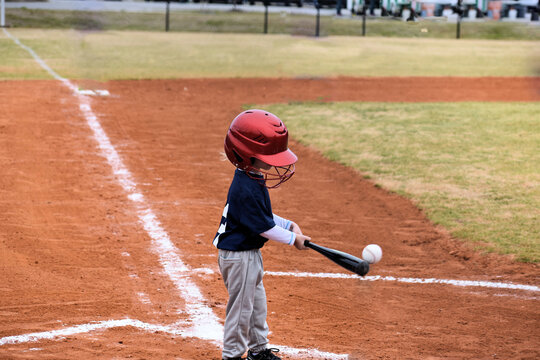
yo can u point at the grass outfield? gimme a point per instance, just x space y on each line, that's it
278 23
472 167
109 55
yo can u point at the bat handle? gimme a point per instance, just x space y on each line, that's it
306 243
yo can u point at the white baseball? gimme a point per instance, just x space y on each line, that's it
372 253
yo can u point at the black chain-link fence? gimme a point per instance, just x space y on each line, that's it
480 19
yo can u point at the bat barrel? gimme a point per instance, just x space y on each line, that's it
347 261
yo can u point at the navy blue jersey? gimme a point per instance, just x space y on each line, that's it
247 214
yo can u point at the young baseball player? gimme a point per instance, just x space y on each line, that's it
257 144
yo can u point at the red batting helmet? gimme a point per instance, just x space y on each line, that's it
258 134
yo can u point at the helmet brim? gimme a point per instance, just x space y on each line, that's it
284 158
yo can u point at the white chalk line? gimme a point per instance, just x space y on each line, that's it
80 329
153 328
203 323
93 92
463 283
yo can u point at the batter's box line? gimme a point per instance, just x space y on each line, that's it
462 283
171 330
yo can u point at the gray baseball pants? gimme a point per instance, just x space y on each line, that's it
245 322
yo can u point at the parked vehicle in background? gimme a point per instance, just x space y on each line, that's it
517 9
513 9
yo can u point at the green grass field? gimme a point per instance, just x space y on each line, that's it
106 55
472 167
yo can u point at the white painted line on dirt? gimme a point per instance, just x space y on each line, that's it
205 271
309 353
93 92
137 197
102 92
465 283
78 329
203 321
205 324
86 92
152 328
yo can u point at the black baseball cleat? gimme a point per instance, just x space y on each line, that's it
266 354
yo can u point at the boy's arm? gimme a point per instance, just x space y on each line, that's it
286 232
287 224
279 234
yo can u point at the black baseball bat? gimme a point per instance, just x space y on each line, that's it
349 262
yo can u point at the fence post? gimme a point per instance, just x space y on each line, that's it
364 10
2 13
266 3
318 18
458 25
167 15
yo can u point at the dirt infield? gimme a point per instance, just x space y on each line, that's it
72 250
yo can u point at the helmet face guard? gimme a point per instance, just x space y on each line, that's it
258 134
274 177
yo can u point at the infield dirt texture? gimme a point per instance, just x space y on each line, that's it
74 250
